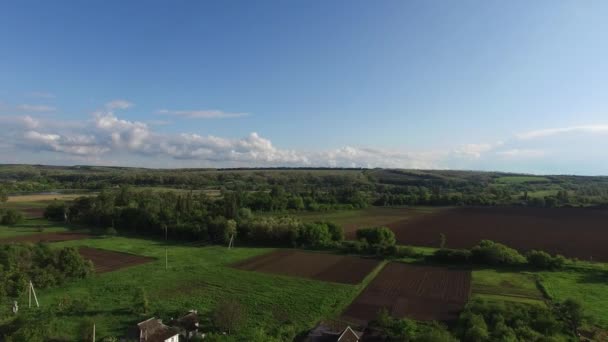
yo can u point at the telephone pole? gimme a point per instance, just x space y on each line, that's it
32 291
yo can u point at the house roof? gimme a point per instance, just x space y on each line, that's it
162 334
348 335
188 322
334 331
150 325
153 330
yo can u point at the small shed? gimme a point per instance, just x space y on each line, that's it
187 325
153 330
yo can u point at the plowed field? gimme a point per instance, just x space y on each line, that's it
416 292
573 232
108 261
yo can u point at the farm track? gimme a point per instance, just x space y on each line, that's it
417 292
311 265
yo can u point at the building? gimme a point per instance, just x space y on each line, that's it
334 331
153 330
187 325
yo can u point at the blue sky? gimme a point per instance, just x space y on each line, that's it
493 85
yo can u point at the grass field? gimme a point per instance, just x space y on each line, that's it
505 285
585 282
522 179
31 226
197 278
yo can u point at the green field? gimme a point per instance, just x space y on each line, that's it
197 278
588 283
512 286
31 226
522 179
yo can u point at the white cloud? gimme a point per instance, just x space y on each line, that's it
349 156
119 104
122 133
521 153
30 122
474 150
541 133
77 144
36 108
201 114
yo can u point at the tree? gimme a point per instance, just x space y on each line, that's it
230 230
228 315
314 234
336 232
572 312
55 211
441 240
3 195
377 236
544 260
11 217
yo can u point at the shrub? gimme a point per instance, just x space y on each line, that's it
459 256
544 260
314 235
376 235
492 253
228 315
110 231
55 211
11 217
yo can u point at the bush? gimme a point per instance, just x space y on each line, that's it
492 253
457 256
376 235
110 231
544 260
314 235
55 211
11 217
497 321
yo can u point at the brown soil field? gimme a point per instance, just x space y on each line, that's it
108 261
572 232
417 292
43 197
46 237
311 265
351 220
32 212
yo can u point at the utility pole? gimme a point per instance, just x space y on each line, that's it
166 253
32 291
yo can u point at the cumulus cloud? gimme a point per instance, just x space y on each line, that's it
541 133
118 104
252 149
36 108
474 150
201 114
76 144
121 133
